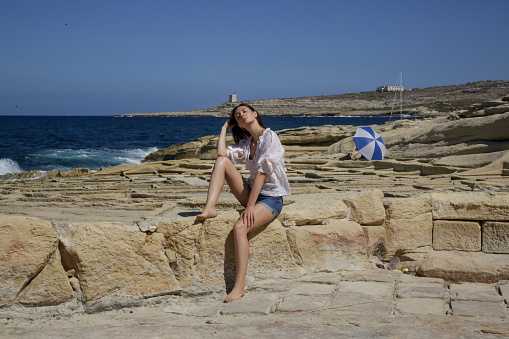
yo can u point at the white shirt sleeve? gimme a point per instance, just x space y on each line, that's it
272 153
238 153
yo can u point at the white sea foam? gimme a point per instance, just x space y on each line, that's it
67 159
9 166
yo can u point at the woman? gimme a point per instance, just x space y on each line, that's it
261 195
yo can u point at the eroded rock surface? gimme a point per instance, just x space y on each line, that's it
125 234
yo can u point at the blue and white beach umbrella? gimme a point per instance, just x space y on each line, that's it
369 143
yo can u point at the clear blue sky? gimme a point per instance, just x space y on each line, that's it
113 57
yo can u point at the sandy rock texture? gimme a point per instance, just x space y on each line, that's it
125 235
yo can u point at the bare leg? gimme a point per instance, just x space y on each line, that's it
240 231
223 169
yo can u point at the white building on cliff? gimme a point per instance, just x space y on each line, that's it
389 88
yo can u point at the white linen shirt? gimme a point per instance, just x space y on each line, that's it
269 158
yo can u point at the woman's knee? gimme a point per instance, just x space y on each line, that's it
239 228
222 161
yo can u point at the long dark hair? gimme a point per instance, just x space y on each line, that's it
240 133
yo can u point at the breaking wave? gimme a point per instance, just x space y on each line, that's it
93 159
9 166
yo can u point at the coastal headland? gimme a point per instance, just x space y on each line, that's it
431 101
118 250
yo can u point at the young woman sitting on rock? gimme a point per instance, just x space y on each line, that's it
261 194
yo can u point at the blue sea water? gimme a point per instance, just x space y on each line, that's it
46 143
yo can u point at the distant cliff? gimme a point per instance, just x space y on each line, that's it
431 101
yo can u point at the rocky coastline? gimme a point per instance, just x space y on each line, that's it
123 237
423 102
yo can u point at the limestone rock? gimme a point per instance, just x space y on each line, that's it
435 138
412 166
115 263
115 170
470 206
451 235
495 237
316 135
411 233
465 266
201 148
183 234
366 207
270 253
497 167
26 247
50 287
469 160
148 225
346 146
407 208
375 238
336 246
313 209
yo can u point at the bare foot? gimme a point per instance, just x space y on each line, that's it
234 295
206 214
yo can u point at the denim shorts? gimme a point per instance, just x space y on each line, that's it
274 204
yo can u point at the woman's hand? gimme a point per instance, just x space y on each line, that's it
247 216
228 125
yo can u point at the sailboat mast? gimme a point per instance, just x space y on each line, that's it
401 94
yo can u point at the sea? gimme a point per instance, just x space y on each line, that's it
67 142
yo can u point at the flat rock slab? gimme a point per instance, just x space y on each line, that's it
196 311
295 303
479 309
367 287
421 306
252 304
407 278
372 275
475 292
362 303
322 278
413 291
312 289
504 289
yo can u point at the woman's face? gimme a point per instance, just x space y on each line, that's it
245 116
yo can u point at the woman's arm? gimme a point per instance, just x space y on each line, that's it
221 143
248 213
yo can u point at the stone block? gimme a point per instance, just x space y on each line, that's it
50 287
495 237
359 302
117 266
421 306
407 208
26 247
296 303
470 206
270 254
474 292
379 289
409 234
459 266
478 309
312 209
338 245
312 289
504 290
249 304
451 235
421 291
366 208
375 238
